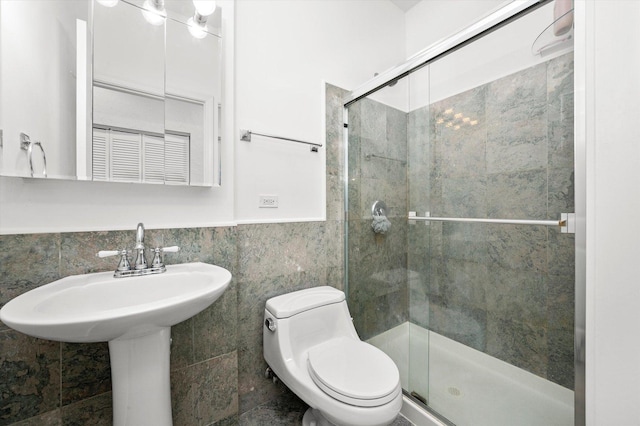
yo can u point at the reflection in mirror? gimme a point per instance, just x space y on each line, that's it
146 109
38 73
156 124
192 96
128 95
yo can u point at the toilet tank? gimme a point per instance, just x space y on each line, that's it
290 304
304 319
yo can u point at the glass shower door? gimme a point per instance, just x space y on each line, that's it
475 309
376 252
490 136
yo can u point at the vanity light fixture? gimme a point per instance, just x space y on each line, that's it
154 12
204 7
108 3
197 24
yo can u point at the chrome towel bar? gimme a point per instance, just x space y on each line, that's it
245 135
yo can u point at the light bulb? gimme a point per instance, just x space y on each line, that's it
153 14
108 3
205 7
197 30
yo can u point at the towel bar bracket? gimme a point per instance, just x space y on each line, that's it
568 223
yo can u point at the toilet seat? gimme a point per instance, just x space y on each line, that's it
354 372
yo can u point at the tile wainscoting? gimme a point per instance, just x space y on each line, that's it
216 356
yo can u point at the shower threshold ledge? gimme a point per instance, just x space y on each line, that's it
418 415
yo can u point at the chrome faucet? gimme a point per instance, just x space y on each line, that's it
141 259
140 267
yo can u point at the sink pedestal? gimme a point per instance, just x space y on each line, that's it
140 379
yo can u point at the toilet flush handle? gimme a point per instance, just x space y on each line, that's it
270 324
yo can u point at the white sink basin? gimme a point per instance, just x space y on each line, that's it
98 307
134 315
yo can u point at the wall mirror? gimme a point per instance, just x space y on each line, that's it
108 90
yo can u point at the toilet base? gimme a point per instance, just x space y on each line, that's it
313 417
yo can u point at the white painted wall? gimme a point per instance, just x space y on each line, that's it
609 122
286 50
432 20
496 55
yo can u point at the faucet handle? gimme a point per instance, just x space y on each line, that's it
124 264
107 253
157 255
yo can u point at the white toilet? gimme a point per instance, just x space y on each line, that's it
311 345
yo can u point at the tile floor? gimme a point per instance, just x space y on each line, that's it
287 412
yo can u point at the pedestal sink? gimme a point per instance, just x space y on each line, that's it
134 315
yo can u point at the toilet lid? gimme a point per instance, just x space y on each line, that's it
354 372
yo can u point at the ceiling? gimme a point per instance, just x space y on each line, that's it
405 4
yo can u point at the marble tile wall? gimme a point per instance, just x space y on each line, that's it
217 368
298 259
506 290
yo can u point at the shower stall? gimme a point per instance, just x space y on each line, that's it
459 198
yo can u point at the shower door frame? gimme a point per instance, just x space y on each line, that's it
485 25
